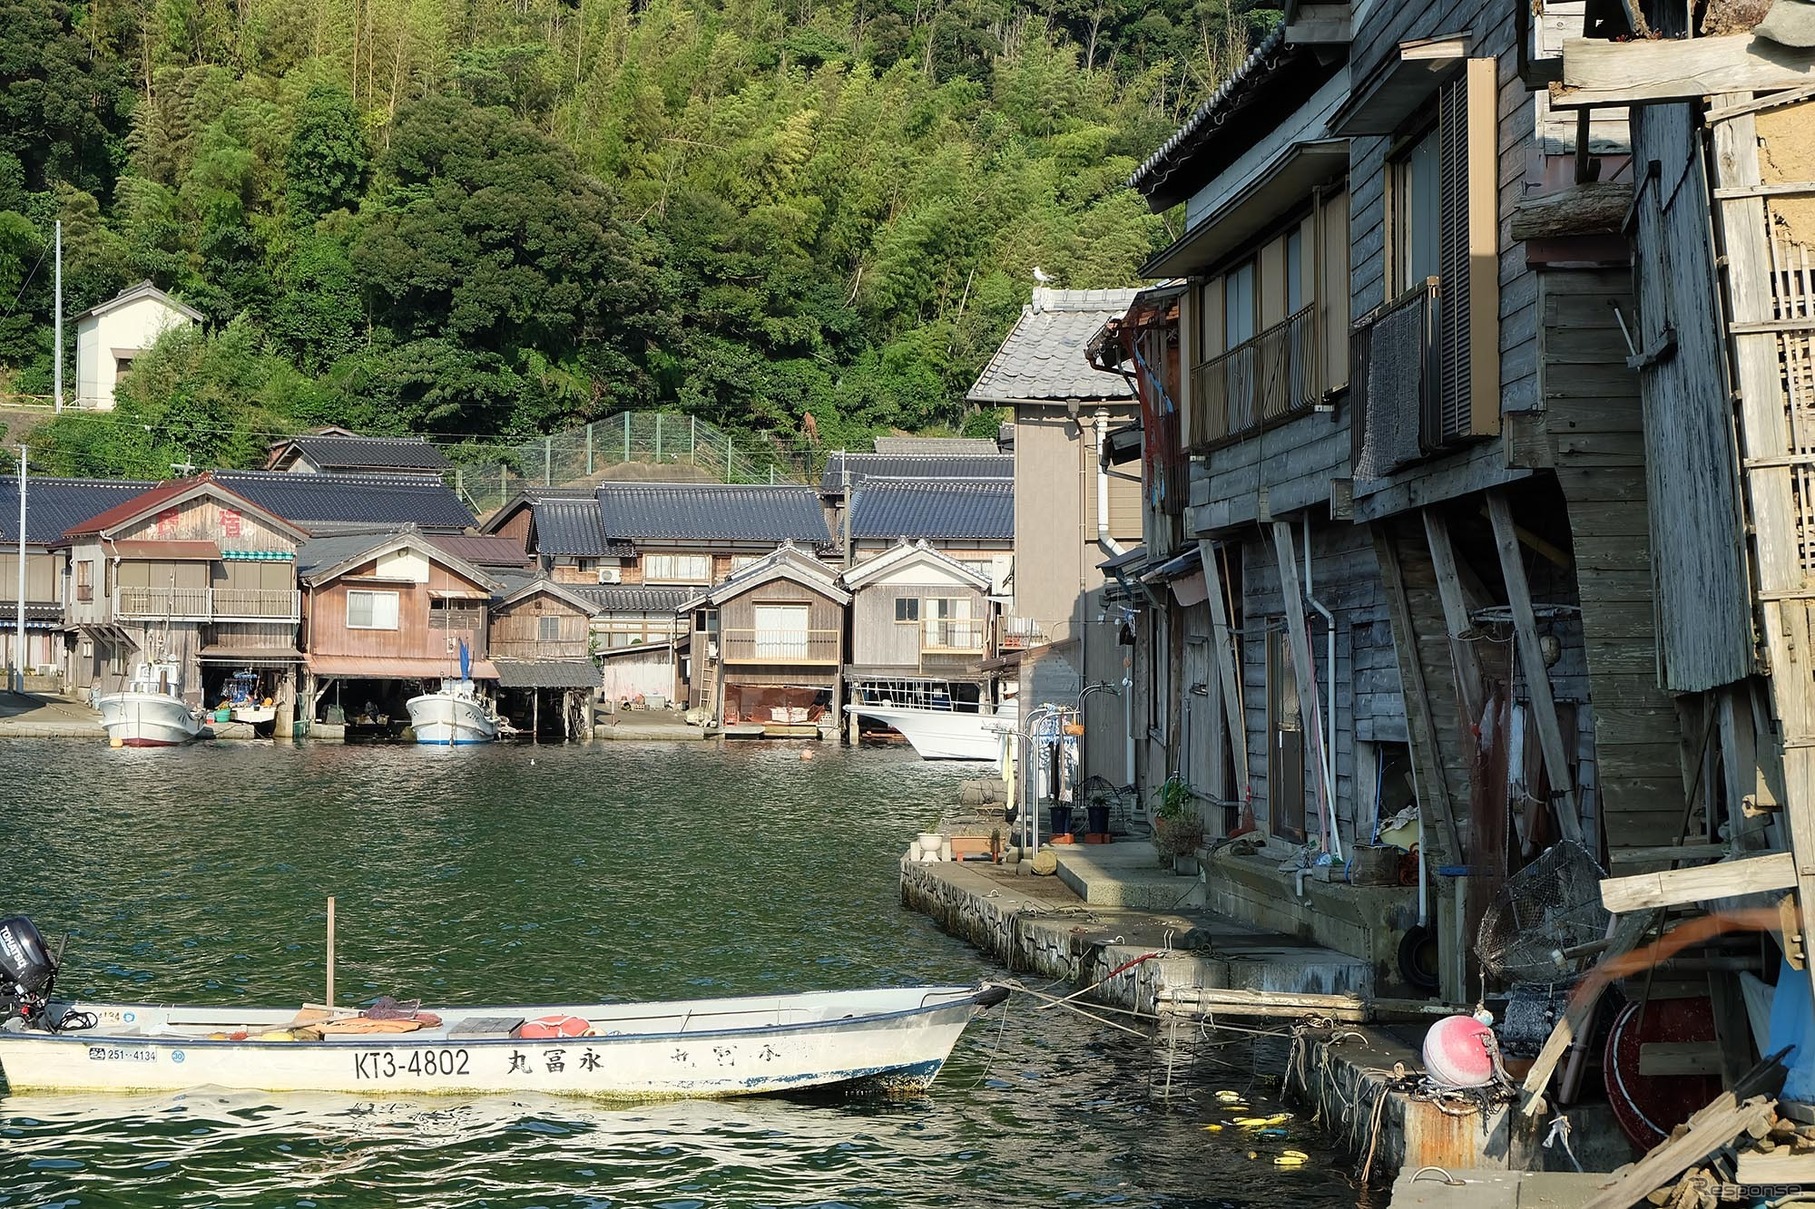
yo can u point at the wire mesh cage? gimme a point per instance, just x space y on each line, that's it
1547 923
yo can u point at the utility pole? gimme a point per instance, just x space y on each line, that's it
56 338
19 632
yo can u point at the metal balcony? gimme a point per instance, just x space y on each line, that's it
1260 381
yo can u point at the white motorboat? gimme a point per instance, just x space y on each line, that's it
456 714
892 1040
944 734
148 712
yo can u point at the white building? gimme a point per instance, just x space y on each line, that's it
110 335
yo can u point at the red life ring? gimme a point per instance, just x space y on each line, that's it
555 1026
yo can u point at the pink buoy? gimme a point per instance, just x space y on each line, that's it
1457 1052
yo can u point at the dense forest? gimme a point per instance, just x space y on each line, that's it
494 218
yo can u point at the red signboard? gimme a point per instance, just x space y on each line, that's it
230 522
167 522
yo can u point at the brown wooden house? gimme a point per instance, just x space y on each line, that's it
766 647
384 616
541 644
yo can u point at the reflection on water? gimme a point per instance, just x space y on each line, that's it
612 871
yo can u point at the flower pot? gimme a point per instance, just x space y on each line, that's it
1185 864
1061 819
927 846
1096 819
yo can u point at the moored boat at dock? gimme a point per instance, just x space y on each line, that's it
148 712
453 715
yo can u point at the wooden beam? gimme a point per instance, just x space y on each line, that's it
1455 617
1676 887
1223 650
1598 73
1304 671
1708 1130
1421 730
1531 659
1590 208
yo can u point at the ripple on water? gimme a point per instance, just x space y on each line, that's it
612 871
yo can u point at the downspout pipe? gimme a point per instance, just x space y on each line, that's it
1329 733
1109 544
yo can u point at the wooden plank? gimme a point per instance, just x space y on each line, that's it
1456 621
1776 1169
1708 1130
1588 208
1433 790
1663 1058
1677 887
1484 294
1598 73
1537 676
1304 670
1224 651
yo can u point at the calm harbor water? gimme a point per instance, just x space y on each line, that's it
563 874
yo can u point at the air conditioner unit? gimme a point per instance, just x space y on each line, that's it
611 575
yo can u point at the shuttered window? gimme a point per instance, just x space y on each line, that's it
1452 412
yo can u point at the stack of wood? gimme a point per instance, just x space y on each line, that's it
1707 1161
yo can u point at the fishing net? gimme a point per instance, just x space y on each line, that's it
1547 924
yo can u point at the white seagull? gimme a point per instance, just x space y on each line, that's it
1042 276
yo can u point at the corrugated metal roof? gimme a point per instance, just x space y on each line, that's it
53 506
934 509
921 445
1042 359
914 466
547 673
379 453
571 527
312 500
635 598
712 512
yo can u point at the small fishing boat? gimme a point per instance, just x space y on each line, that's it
455 713
939 728
889 1040
148 712
243 703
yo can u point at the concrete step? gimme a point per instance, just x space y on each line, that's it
1125 875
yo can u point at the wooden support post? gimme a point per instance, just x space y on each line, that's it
330 998
1310 696
1228 668
1420 728
283 725
1537 676
1774 461
1455 617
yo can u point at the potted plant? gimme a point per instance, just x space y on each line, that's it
928 844
1178 829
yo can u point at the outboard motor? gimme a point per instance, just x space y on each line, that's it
27 972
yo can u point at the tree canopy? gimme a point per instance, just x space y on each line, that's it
499 219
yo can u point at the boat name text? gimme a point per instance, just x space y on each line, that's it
389 1064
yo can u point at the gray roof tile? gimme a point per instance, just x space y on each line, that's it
371 453
644 512
321 500
632 598
914 466
911 445
547 673
982 510
1042 359
573 527
55 505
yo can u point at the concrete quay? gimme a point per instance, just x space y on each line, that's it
39 716
1114 925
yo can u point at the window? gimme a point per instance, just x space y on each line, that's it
1417 191
85 580
1295 269
371 610
447 614
781 631
740 561
678 568
1238 305
548 628
907 609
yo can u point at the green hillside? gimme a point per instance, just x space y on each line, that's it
503 217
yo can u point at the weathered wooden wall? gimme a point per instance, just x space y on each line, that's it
516 631
414 638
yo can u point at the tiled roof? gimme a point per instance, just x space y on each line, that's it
53 506
319 553
323 501
1042 360
126 509
635 598
1210 115
914 466
481 551
571 527
370 453
712 512
912 445
935 509
547 673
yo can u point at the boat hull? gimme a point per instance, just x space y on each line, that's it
148 720
448 720
942 734
894 1040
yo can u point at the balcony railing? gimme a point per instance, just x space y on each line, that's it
952 636
206 604
1019 633
1393 383
1268 378
779 646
